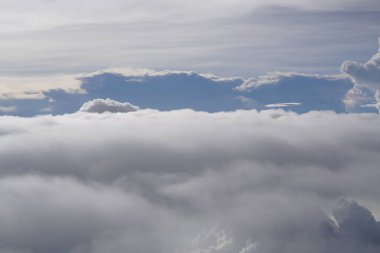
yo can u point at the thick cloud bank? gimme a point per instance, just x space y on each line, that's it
107 105
192 182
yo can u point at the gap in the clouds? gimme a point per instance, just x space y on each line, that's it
355 90
173 90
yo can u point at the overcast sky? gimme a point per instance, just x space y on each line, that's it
229 38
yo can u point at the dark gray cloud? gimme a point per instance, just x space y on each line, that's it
186 181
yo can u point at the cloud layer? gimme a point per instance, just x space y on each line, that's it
34 14
185 181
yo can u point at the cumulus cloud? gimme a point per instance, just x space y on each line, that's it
367 81
186 181
107 105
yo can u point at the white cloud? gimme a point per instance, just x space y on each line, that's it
10 108
249 247
212 242
107 105
365 76
154 181
33 87
279 105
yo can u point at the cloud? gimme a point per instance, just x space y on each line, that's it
279 105
367 81
33 87
357 228
9 108
187 181
33 15
107 105
54 38
212 242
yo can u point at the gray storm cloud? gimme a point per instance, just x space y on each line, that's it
186 181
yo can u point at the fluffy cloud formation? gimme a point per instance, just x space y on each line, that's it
186 181
367 82
107 105
366 75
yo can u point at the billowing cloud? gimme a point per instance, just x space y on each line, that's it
367 81
186 181
107 105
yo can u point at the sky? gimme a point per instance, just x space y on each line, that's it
54 46
171 126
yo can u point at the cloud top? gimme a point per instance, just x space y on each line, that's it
366 78
107 105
